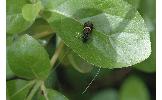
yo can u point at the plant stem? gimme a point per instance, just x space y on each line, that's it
42 34
34 89
43 88
56 54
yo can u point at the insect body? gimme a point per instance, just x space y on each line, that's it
87 30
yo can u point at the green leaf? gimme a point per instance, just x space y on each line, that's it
15 21
18 89
52 95
28 59
31 11
134 89
109 94
119 39
50 82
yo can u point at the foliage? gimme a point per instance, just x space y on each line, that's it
47 59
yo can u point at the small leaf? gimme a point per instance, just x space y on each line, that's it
134 89
109 94
14 20
18 89
119 38
28 59
31 11
52 95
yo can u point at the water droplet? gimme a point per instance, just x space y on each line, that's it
78 35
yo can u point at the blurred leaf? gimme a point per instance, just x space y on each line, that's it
52 95
9 72
81 79
41 31
134 89
109 94
18 89
78 63
39 26
31 11
9 40
50 82
63 57
119 39
150 24
69 58
51 46
148 9
14 18
28 59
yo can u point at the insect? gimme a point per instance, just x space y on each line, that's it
87 30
